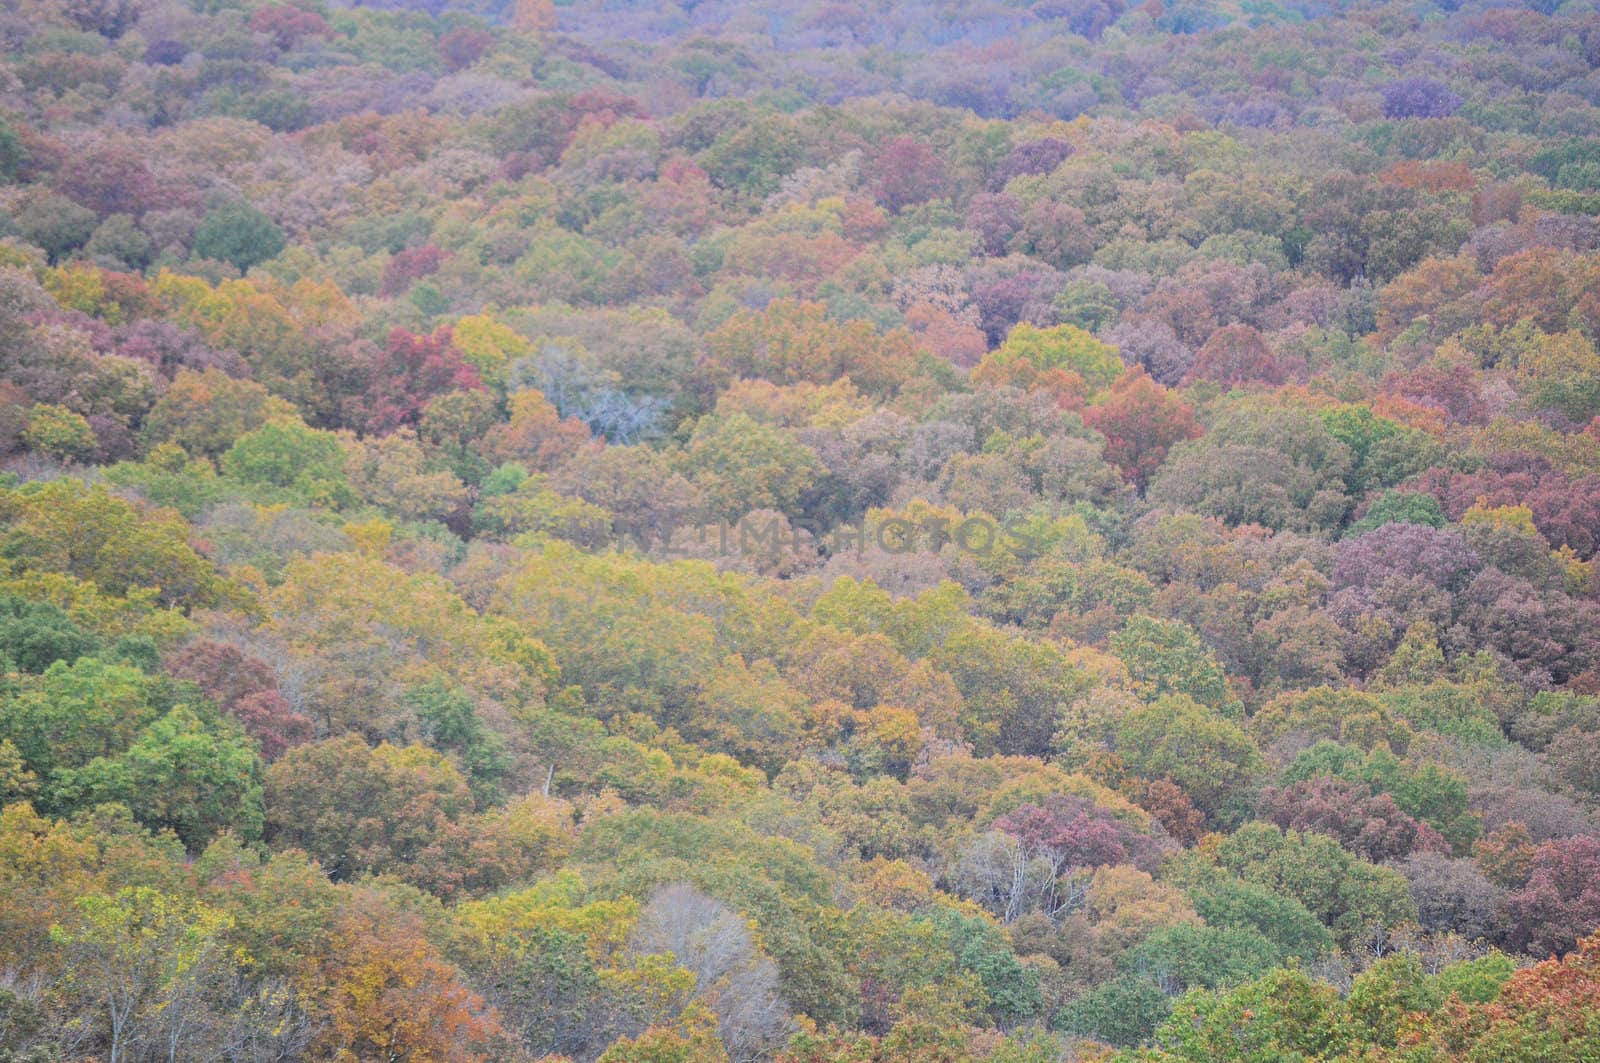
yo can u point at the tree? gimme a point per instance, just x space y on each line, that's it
1174 810
411 265
535 433
206 412
35 635
60 433
1233 904
110 178
1565 508
109 18
353 633
1234 355
693 1039
1546 1011
463 46
1286 1014
742 466
982 950
1343 715
1167 657
1141 421
750 713
533 16
1194 955
1070 833
409 372
449 722
1063 347
1385 996
386 993
1453 896
1371 826
239 233
1350 895
646 498
287 24
405 811
144 960
407 481
790 342
87 532
1248 483
245 688
1419 97
995 218
1178 739
1386 568
1055 233
56 225
76 712
1560 904
1124 1011
1039 156
183 774
1398 507
905 172
361 809
732 979
285 453
1505 855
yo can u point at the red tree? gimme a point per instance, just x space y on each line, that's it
1561 902
1369 825
244 688
1141 421
112 179
412 265
410 371
463 46
905 173
1072 832
1236 354
287 25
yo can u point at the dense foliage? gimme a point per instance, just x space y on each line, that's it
734 531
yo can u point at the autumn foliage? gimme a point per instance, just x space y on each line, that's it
743 531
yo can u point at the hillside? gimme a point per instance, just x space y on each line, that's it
750 531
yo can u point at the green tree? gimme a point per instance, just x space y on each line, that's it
1226 901
60 433
1123 1011
76 712
1350 895
1288 1015
238 233
449 722
35 635
1061 347
285 453
1179 739
194 776
981 948
1398 507
56 224
1384 996
742 465
1168 657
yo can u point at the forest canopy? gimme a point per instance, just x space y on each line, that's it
718 532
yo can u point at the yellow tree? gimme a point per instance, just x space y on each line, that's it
142 960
